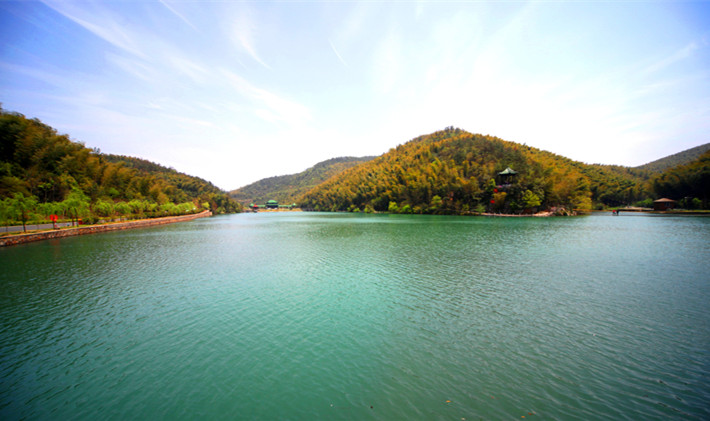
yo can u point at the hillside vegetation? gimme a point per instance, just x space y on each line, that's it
43 172
180 187
447 172
689 183
456 172
681 158
289 188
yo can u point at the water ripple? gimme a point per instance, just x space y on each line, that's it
321 316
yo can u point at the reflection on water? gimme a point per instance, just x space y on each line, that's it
341 316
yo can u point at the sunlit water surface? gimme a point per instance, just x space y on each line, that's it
306 316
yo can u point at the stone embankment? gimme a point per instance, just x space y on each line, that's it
12 240
527 215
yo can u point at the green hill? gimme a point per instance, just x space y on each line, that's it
182 187
681 158
49 173
455 172
289 188
689 183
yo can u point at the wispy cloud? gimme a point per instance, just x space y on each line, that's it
178 14
136 68
44 75
188 121
270 106
197 72
101 23
337 54
142 52
243 35
351 27
680 55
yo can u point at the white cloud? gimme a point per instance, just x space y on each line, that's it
242 32
143 53
353 26
137 68
270 106
49 75
677 56
178 14
337 54
198 73
103 24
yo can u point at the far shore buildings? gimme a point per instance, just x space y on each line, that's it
664 204
271 205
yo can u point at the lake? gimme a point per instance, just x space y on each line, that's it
314 316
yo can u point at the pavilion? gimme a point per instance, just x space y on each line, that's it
664 204
507 175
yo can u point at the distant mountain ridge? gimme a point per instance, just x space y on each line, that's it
289 188
456 172
453 171
681 158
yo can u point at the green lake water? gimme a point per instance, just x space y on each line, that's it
311 316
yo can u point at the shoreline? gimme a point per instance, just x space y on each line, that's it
515 215
656 212
13 240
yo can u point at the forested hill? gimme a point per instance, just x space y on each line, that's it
191 186
46 167
288 189
689 183
456 172
681 158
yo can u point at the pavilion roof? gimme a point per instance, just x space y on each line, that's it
507 171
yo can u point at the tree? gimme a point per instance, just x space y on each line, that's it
186 207
122 208
76 205
530 200
6 212
48 208
498 201
104 208
137 207
21 206
168 209
435 204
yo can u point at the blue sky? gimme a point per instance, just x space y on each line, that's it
237 91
